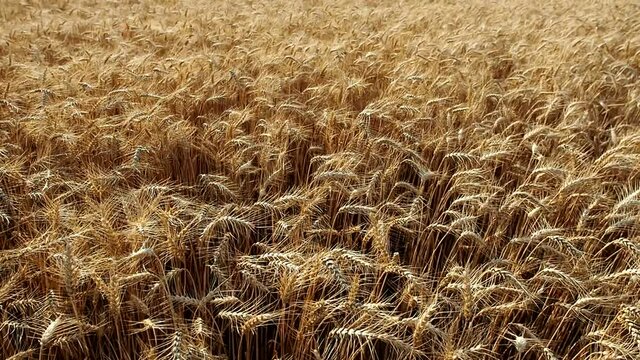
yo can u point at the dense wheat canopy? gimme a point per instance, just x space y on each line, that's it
321 180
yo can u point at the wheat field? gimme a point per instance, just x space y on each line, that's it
321 180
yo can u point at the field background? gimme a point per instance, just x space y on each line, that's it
319 179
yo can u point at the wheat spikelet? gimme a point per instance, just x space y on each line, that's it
220 185
177 347
627 244
22 355
48 334
253 322
185 300
631 318
150 324
627 273
330 264
548 354
368 336
356 209
220 301
563 278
